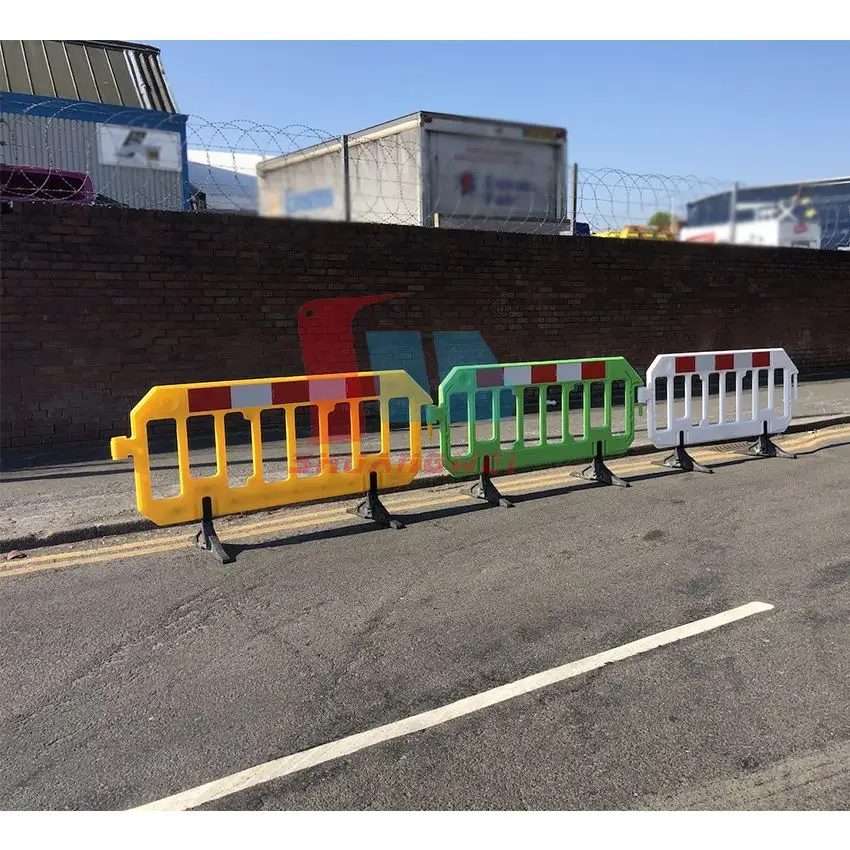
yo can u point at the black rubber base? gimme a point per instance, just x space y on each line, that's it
680 459
373 509
207 539
486 490
597 471
765 447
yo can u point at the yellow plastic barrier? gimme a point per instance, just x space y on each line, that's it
203 498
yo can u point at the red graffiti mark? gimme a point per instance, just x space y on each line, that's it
325 328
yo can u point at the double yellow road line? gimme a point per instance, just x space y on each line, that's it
512 485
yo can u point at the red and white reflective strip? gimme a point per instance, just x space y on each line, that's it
722 361
714 425
269 394
543 373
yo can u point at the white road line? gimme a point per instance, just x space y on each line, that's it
345 746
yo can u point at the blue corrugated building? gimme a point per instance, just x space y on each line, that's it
102 109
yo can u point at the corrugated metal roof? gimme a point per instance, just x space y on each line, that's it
120 73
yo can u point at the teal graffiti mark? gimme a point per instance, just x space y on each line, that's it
398 350
403 350
467 348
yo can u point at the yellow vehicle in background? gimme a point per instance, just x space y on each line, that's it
638 231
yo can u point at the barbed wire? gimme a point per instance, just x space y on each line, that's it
87 153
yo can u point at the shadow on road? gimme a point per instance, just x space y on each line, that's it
413 519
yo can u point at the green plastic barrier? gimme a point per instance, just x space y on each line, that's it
489 453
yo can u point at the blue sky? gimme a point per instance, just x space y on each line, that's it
756 112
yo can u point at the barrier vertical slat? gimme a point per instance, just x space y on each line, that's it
495 413
385 426
721 398
220 445
703 420
669 398
689 388
415 439
771 389
183 456
586 409
565 412
755 405
739 396
325 410
542 421
520 421
354 415
291 447
256 445
609 400
753 395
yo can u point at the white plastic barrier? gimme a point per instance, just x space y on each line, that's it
704 425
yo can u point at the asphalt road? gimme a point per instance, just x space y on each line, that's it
147 673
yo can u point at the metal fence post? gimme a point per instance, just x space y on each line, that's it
733 213
575 198
346 180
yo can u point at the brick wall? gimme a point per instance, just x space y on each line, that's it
98 305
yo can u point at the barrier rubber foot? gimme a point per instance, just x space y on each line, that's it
597 471
372 508
765 447
486 490
207 539
680 459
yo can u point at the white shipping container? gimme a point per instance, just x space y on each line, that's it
427 169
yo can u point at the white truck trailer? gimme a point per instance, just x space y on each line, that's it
786 224
769 233
427 169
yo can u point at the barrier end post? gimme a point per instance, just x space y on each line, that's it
433 414
642 398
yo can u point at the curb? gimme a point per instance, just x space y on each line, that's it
111 529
